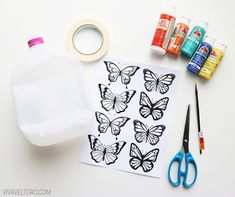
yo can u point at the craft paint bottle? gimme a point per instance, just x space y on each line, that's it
202 53
195 37
178 36
164 31
213 60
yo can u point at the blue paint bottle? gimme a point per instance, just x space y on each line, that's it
202 53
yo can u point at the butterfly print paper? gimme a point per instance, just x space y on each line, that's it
131 126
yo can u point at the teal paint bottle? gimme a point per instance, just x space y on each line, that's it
201 55
192 42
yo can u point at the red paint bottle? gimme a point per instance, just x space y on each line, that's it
164 30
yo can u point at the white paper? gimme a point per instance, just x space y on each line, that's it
146 166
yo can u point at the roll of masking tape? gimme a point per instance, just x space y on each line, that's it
95 55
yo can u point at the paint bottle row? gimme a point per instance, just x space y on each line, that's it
171 39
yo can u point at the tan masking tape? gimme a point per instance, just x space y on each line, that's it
93 24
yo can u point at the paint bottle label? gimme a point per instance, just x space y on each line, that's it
199 57
164 31
211 64
177 39
192 42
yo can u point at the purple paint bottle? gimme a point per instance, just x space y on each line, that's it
200 56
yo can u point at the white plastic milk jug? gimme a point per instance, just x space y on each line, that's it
52 102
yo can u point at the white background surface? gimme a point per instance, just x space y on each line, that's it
131 25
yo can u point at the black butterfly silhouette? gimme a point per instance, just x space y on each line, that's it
125 74
106 124
154 83
154 109
143 133
117 102
100 152
145 161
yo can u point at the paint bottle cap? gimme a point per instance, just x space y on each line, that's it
169 9
203 24
209 40
35 41
184 20
220 46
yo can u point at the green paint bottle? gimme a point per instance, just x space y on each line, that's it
195 37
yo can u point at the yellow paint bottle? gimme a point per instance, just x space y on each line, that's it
212 61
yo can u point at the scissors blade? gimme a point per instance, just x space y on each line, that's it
185 142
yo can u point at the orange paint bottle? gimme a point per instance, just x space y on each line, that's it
178 36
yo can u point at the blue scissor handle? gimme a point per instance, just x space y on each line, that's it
188 160
177 158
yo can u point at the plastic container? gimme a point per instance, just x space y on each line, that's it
201 55
178 36
51 99
164 30
213 61
195 37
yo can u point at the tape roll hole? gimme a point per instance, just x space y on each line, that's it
87 39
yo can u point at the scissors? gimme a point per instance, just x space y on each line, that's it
178 158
